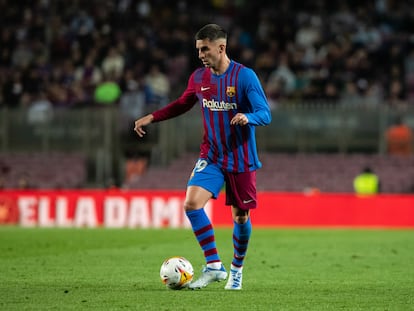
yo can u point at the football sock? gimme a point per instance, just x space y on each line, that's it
232 267
241 236
214 265
204 233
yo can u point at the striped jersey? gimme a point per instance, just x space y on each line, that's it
220 97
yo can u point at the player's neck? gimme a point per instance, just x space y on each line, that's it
224 64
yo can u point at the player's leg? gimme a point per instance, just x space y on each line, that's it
196 199
241 194
241 235
205 183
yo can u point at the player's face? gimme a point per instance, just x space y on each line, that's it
210 52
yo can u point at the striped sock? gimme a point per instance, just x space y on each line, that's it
241 236
204 233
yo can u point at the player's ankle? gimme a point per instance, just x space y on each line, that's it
214 265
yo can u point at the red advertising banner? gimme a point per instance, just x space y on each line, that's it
158 209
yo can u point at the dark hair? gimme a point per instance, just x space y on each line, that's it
211 32
367 169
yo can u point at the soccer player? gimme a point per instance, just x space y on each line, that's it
233 103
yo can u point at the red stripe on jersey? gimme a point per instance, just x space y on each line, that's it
245 148
206 144
207 79
222 129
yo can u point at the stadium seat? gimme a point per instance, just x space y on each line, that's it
298 172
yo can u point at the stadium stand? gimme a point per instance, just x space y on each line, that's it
333 172
359 53
55 170
297 172
54 54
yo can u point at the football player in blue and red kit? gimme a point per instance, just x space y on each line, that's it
233 103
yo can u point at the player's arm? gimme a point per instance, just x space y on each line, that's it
177 107
141 123
260 111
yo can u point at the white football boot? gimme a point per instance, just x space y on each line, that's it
235 279
208 276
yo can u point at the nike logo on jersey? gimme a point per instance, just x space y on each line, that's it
204 88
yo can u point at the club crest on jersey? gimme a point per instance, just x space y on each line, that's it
231 91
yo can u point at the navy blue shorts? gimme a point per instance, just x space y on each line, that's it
240 187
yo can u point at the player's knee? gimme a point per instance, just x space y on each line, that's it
241 219
190 205
240 216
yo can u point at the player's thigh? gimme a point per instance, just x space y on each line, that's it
207 176
241 190
196 198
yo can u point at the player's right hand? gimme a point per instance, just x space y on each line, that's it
140 123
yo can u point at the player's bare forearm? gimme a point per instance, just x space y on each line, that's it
140 123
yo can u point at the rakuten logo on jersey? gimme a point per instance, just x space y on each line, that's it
215 105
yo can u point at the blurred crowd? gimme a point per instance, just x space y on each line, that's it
56 53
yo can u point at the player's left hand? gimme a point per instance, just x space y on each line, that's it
239 119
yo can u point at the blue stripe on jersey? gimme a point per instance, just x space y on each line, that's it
218 147
240 163
227 159
230 81
208 115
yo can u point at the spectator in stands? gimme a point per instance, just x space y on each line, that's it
113 64
350 95
158 86
399 138
82 26
13 89
22 55
367 182
396 95
40 110
281 81
132 102
88 73
335 42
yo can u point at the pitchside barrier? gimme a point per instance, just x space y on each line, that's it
163 209
104 135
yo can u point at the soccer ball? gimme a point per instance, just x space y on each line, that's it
176 272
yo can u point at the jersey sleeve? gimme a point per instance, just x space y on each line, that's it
260 111
179 106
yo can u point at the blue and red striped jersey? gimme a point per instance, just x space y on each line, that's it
232 147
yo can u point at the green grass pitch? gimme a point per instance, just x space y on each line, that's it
285 269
